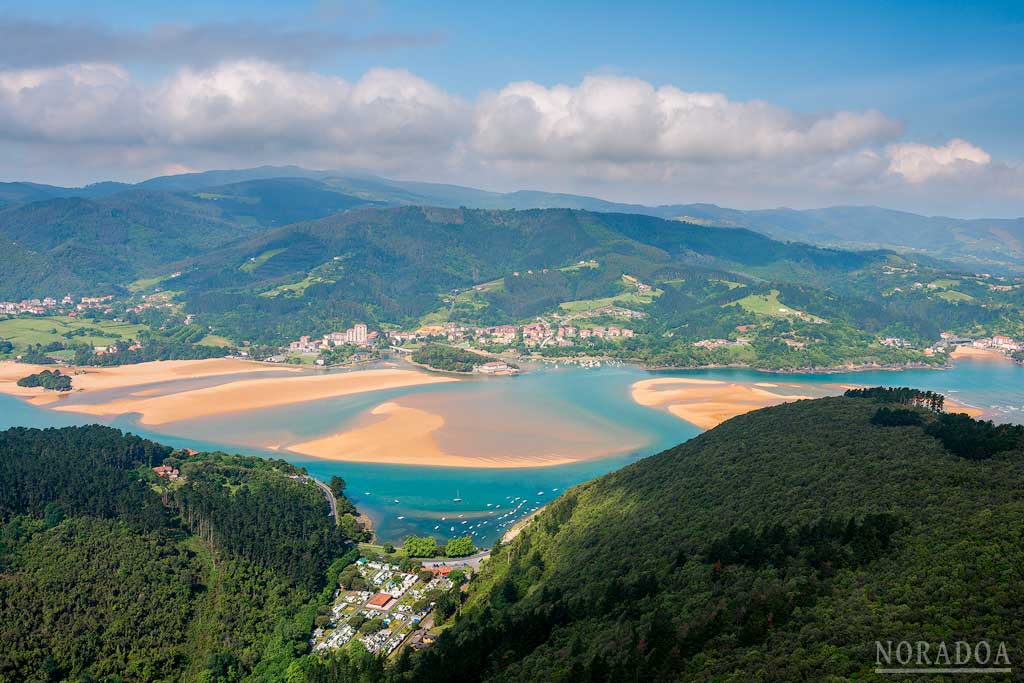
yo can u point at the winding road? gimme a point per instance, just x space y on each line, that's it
328 494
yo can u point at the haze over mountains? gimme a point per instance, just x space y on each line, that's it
278 195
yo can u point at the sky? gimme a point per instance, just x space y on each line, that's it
910 105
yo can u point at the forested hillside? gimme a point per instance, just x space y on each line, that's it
99 244
777 547
108 573
216 249
394 264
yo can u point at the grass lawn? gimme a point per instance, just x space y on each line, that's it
954 296
379 549
295 288
626 298
146 283
254 263
769 305
577 266
214 340
45 329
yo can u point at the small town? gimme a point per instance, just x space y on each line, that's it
385 608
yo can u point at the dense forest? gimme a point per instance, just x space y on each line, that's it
108 573
777 547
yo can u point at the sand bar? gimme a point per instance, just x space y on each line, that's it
125 376
706 403
254 394
397 434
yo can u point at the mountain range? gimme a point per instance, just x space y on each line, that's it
281 194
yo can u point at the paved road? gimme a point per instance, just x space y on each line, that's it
470 560
328 494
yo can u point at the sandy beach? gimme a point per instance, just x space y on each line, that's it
706 403
981 354
253 394
124 376
709 403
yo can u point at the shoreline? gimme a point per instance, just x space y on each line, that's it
459 373
521 525
980 354
706 403
240 395
832 369
92 379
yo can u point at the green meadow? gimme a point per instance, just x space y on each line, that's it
24 331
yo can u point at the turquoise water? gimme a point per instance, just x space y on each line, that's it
595 401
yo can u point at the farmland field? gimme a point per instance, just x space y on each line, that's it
23 331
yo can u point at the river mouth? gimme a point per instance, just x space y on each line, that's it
509 447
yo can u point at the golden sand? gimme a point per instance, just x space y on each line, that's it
254 394
706 403
124 376
981 354
401 435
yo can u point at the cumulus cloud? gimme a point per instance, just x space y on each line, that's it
236 106
608 119
34 43
918 163
622 138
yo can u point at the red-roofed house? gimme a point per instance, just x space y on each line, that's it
381 601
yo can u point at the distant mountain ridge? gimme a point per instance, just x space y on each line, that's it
977 244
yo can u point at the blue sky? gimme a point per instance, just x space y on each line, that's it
936 71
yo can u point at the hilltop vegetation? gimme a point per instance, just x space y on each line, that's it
973 243
267 260
108 573
778 547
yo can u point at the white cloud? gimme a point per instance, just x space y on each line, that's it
622 138
627 121
918 163
236 107
78 103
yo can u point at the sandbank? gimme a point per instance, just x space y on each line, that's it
398 434
123 376
254 394
706 403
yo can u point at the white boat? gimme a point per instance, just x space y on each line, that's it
457 498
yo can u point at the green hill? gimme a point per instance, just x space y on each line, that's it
108 573
396 264
97 245
409 265
777 547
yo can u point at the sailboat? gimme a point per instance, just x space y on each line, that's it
457 499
